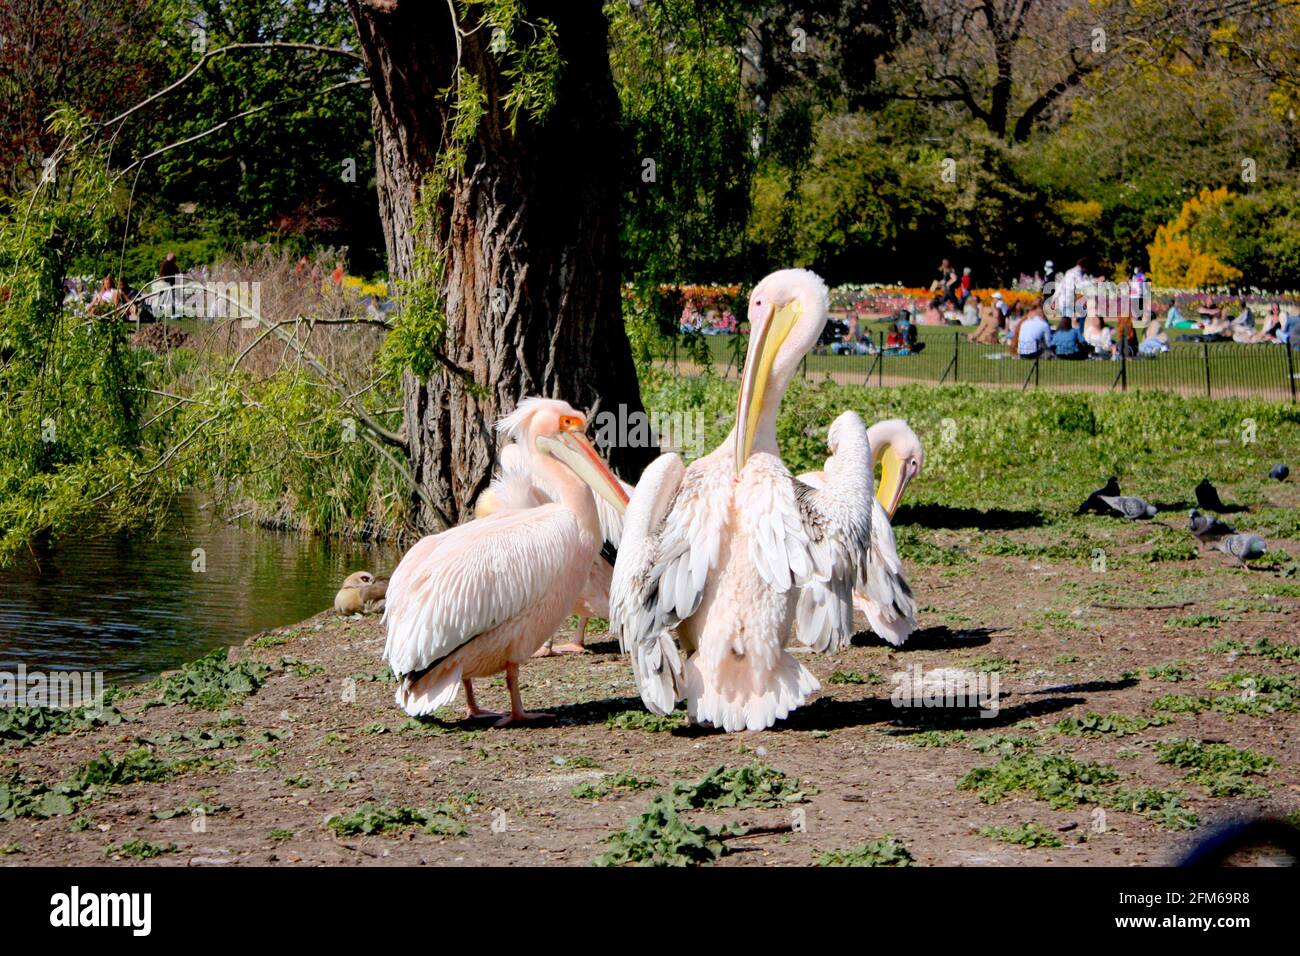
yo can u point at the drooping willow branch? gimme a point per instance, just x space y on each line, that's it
221 51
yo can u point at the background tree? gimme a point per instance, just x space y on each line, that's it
499 173
97 56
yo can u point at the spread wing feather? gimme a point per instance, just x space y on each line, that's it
837 519
671 536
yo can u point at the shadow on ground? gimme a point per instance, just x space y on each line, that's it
1090 687
938 638
950 518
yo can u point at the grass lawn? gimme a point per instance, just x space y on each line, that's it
1260 371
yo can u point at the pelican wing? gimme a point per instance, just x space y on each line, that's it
671 536
451 587
837 521
780 545
885 599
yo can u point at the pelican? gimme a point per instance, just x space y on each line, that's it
514 486
726 555
482 597
887 601
361 592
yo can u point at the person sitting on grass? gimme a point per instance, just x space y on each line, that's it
1067 343
1243 332
1214 322
1033 332
1289 333
1097 334
911 335
1011 328
1175 319
989 327
1273 325
1156 339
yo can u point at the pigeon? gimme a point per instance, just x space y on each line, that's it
1279 472
1207 497
1094 503
1207 528
1129 507
1243 547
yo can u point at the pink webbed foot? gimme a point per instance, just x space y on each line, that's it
571 648
517 711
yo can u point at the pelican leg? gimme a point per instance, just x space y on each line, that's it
517 711
546 650
579 643
472 705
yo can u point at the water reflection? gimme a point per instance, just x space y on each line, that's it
133 606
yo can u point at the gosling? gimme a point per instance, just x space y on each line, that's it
362 593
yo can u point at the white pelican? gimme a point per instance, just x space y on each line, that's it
481 597
886 601
515 486
361 592
729 552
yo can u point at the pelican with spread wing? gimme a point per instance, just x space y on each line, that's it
723 562
886 600
482 597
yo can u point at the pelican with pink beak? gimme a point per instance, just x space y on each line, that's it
515 485
722 563
480 598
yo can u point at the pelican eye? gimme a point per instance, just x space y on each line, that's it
572 423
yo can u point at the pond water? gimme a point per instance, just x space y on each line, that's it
132 606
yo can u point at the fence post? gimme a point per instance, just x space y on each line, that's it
805 366
1123 367
1290 369
1205 350
1032 373
675 355
956 349
880 366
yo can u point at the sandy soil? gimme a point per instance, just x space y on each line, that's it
1061 653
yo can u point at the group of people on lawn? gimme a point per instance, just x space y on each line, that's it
1077 330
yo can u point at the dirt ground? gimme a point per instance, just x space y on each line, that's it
1064 637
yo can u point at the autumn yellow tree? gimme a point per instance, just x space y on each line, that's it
1186 253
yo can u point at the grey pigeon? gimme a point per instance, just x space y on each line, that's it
1130 507
1243 547
1207 528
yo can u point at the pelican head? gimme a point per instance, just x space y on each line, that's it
550 427
901 458
787 313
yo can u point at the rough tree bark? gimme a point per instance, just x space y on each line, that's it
529 230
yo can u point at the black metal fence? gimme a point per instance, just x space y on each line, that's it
1210 369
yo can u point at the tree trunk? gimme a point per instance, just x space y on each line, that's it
529 230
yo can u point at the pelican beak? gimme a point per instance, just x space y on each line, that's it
570 446
894 477
764 345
